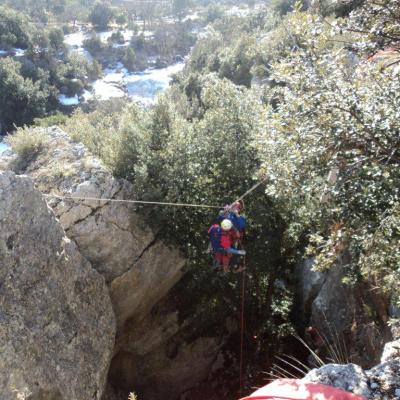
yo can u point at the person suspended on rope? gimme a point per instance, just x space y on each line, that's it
232 213
222 239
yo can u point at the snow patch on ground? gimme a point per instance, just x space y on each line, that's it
142 86
118 82
3 147
68 101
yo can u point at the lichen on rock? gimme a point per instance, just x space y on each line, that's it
57 327
381 382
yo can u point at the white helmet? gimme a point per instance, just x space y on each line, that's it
226 224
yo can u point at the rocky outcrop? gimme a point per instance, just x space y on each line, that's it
154 353
349 377
381 382
138 268
351 317
57 326
161 359
309 284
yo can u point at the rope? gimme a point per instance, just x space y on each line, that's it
160 203
249 191
242 318
242 327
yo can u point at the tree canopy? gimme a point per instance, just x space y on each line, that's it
101 15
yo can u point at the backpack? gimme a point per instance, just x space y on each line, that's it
215 233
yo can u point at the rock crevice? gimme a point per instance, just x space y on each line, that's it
52 303
137 266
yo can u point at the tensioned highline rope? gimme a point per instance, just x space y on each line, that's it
252 189
159 203
242 318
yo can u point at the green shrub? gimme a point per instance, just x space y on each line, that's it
94 44
21 99
73 87
121 19
129 59
101 15
56 119
117 37
27 142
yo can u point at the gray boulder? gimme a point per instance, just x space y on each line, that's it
57 327
385 377
391 352
384 380
349 377
379 383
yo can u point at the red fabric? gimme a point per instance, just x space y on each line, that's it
212 227
295 389
315 336
223 259
228 238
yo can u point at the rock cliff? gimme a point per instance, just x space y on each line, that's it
57 326
352 316
151 347
138 268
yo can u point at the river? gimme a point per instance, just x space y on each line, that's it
118 82
3 147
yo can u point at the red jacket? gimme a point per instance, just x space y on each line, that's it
228 238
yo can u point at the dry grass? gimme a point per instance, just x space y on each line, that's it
27 142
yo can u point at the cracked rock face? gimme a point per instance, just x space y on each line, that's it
57 327
138 268
354 318
159 359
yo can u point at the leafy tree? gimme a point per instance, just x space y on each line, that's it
129 59
283 7
237 63
94 70
121 19
101 15
21 99
15 30
377 23
214 12
94 44
331 149
179 7
56 39
117 37
210 160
